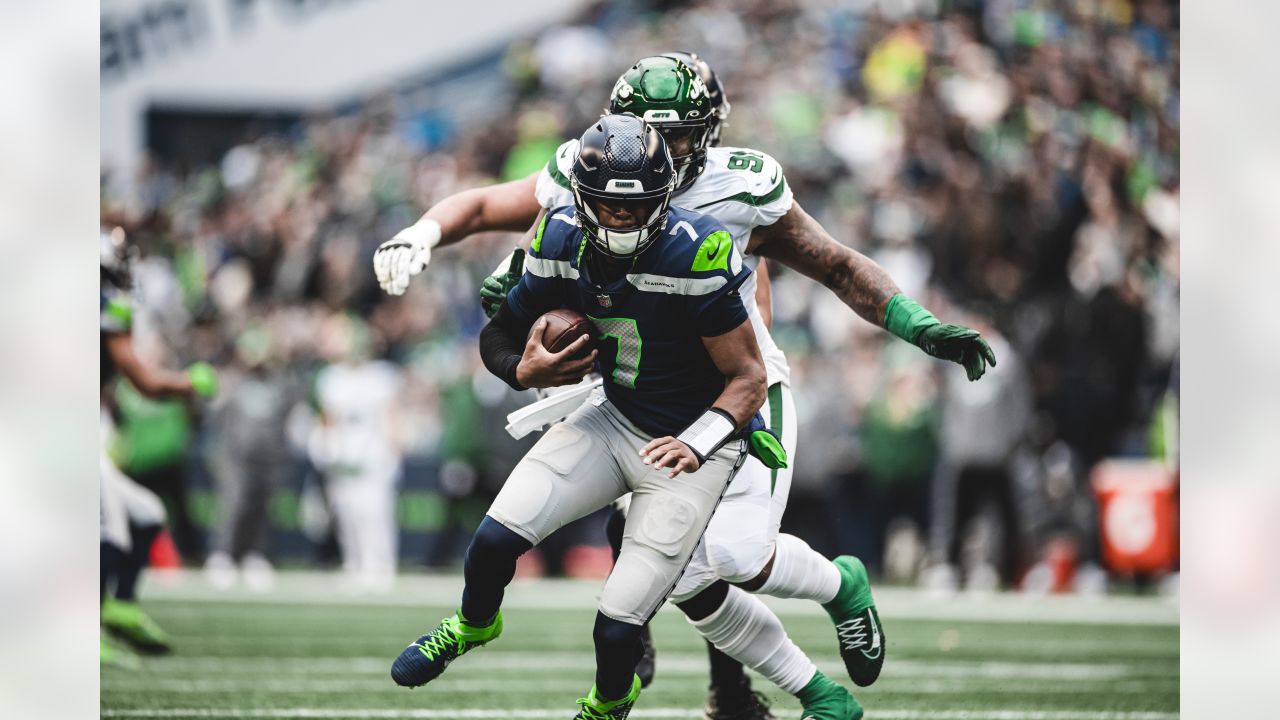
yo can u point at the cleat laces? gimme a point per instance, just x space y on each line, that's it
853 633
589 712
441 642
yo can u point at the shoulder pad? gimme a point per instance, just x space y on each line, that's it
115 312
556 234
552 187
760 176
561 163
702 244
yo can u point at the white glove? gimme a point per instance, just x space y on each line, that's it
405 255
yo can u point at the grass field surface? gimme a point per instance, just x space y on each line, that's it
310 650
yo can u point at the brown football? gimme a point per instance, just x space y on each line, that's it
563 327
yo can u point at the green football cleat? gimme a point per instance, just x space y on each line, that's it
429 655
853 610
112 655
593 708
125 620
825 700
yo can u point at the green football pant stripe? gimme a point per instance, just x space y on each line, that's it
775 424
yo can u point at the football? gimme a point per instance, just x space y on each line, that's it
563 327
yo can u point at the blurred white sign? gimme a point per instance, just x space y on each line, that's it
292 54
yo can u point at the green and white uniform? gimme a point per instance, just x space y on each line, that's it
742 189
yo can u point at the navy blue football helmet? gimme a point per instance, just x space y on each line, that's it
622 182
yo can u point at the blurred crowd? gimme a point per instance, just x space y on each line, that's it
1012 163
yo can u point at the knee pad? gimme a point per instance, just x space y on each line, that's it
740 560
705 603
615 635
494 543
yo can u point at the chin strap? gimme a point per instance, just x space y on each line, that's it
708 433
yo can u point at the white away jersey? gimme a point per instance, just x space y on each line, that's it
741 188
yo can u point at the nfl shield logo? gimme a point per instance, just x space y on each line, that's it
605 301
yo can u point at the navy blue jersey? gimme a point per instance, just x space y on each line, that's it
650 323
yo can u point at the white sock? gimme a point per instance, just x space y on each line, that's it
745 629
800 572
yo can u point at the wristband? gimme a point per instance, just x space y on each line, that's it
905 318
710 431
427 230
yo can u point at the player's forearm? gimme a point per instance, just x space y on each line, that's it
764 293
799 242
509 206
743 395
736 354
151 382
500 347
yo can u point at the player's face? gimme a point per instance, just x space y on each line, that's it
624 214
680 141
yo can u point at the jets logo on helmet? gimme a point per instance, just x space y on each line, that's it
622 182
715 92
669 94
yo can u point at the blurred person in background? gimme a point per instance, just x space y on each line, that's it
251 457
355 446
898 437
972 517
130 515
153 442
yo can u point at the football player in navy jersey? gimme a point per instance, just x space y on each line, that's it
130 515
683 381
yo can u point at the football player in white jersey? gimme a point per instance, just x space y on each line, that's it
747 192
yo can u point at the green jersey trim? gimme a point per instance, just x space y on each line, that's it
747 198
554 171
120 312
536 245
775 424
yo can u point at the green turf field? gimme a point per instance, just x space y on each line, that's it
310 651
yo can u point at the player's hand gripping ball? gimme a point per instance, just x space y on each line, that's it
560 350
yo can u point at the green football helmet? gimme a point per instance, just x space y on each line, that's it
669 95
719 101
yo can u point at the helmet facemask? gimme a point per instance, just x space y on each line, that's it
621 226
688 143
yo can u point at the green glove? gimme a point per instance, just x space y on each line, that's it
905 318
767 449
494 289
204 379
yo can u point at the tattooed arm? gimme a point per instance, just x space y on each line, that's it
800 243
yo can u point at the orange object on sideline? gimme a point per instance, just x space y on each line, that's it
164 554
1137 514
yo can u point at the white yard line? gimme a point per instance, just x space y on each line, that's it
432 714
418 590
682 664
571 688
